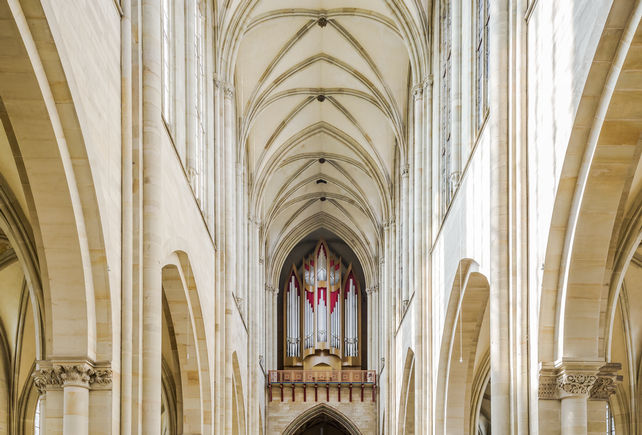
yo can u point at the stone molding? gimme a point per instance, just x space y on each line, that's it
596 381
55 375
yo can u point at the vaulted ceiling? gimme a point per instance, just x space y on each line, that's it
322 93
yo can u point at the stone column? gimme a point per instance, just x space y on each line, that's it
230 247
152 197
73 379
455 104
417 234
573 384
426 325
369 328
127 215
500 289
405 235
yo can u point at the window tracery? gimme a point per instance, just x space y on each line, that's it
167 67
445 103
482 19
198 177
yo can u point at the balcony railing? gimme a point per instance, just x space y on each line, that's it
327 379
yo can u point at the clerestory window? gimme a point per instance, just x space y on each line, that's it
482 18
167 65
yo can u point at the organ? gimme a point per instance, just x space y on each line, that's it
321 313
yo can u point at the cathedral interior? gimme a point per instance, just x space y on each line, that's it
321 217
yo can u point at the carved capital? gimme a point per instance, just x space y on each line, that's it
54 375
228 90
418 91
405 169
593 380
270 289
575 384
607 381
404 306
372 289
46 378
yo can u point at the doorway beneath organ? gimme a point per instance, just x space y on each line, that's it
322 310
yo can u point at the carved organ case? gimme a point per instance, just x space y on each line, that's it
322 313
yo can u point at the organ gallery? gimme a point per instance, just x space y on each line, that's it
322 308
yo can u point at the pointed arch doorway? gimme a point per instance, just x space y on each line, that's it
321 420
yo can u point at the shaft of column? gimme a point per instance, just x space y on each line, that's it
499 266
127 222
427 418
455 104
230 248
417 274
152 196
405 292
219 149
574 415
76 410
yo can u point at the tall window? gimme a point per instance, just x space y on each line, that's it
199 140
481 62
610 421
445 102
167 55
36 417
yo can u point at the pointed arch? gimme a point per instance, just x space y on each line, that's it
406 418
321 410
56 173
184 306
466 311
238 399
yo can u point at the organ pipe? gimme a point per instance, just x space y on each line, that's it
322 311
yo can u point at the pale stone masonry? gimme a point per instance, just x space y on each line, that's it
165 164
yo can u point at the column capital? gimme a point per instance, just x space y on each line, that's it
594 380
372 289
405 169
57 374
418 91
270 289
228 90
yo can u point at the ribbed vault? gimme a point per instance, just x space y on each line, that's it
321 90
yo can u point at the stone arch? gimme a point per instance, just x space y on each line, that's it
406 419
466 312
590 200
481 381
321 410
238 399
322 220
184 306
56 174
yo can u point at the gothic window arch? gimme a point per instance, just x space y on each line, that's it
199 58
197 98
610 420
167 63
37 423
445 103
482 19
